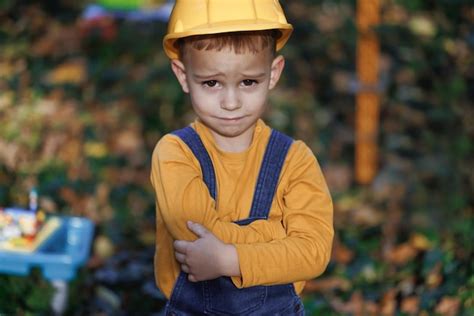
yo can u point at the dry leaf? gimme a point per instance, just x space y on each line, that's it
70 151
147 235
366 215
51 145
338 177
395 14
103 247
402 254
449 306
410 305
420 242
327 284
434 278
60 40
355 306
341 80
347 203
357 303
389 303
95 149
7 69
371 308
341 254
9 153
72 72
127 142
407 285
422 26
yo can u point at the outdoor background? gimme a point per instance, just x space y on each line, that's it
83 102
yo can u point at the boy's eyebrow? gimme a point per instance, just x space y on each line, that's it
257 75
198 76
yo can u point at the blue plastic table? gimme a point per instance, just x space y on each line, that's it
58 257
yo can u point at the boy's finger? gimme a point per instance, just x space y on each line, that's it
181 258
185 268
192 278
198 229
180 246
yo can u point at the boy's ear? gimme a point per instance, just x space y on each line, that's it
180 72
277 68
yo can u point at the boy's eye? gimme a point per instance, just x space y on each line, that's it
210 83
249 82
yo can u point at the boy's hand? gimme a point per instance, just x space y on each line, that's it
207 257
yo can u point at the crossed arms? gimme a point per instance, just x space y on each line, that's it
293 248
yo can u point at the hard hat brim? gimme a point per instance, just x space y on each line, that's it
226 27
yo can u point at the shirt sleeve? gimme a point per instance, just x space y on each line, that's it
308 220
182 195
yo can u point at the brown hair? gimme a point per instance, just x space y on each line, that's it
240 42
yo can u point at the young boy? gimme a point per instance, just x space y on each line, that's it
244 216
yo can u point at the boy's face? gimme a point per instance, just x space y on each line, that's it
228 91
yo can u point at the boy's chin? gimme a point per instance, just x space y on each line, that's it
232 131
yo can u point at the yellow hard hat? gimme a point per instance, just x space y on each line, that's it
200 17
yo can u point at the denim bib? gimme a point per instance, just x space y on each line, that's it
220 296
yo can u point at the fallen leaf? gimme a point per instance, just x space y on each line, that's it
346 203
388 304
420 242
407 285
70 151
95 149
422 26
327 284
340 253
59 40
357 303
395 14
338 177
147 236
127 142
402 254
356 306
72 72
367 216
410 305
448 306
103 247
434 278
9 153
341 80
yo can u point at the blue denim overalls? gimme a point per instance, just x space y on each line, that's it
220 296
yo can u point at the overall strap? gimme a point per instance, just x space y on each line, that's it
191 138
273 159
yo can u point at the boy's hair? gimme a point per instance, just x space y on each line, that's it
240 42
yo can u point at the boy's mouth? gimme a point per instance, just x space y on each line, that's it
231 119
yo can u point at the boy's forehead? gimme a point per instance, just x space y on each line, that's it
227 59
189 51
240 42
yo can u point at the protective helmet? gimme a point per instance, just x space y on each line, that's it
200 17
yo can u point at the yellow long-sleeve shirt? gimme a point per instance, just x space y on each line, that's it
292 246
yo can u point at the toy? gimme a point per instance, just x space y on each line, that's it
19 227
56 244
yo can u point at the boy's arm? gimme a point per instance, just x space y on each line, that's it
183 196
308 219
302 255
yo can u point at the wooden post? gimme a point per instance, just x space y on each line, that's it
367 99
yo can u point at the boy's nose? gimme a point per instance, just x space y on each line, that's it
230 101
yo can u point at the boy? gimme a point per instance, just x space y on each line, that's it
244 216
